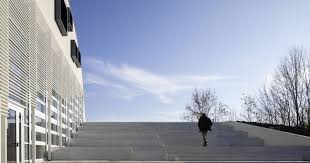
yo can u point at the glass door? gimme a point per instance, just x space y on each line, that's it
14 136
11 137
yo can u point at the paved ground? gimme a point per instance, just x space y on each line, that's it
174 161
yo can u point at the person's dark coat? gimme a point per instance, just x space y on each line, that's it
204 123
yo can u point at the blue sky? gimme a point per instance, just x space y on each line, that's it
143 58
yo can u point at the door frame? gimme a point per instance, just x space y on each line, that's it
20 134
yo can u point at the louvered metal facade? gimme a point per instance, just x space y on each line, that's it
38 78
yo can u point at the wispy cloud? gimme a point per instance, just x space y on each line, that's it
91 78
119 90
130 78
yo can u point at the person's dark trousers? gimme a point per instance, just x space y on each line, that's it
205 137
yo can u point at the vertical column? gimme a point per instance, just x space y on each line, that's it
49 137
68 122
67 119
30 134
32 138
47 131
33 133
60 121
32 65
74 115
4 78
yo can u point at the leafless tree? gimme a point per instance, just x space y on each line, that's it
266 108
249 107
205 101
307 90
286 98
280 98
232 116
223 113
291 70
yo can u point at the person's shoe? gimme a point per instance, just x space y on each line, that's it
204 144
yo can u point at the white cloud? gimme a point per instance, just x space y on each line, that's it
119 90
91 78
129 78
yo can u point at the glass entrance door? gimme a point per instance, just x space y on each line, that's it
14 136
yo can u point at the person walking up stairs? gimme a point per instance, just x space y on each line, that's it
204 125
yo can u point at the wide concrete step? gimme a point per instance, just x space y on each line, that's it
149 138
109 153
217 144
200 149
148 143
170 133
105 129
114 136
153 134
210 134
183 154
238 157
115 143
146 126
239 153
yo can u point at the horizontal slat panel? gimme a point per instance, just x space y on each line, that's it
4 58
34 61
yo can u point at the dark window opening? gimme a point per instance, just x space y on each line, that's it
40 151
75 54
64 142
64 131
70 20
40 107
40 137
54 127
54 139
61 16
40 122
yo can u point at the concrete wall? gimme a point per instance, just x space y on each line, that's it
47 9
271 137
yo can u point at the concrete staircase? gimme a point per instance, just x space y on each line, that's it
120 141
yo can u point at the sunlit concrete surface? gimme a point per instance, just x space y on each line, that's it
171 142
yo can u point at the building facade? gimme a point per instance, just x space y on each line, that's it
41 85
